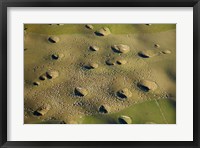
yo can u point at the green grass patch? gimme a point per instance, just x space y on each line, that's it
142 113
81 29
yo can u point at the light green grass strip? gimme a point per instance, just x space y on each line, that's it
81 29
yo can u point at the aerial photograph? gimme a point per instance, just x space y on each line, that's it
99 73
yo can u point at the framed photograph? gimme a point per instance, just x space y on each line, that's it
99 73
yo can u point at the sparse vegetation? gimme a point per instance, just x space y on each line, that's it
100 74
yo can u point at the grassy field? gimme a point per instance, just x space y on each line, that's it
155 111
115 28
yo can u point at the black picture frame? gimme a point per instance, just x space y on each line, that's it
4 4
